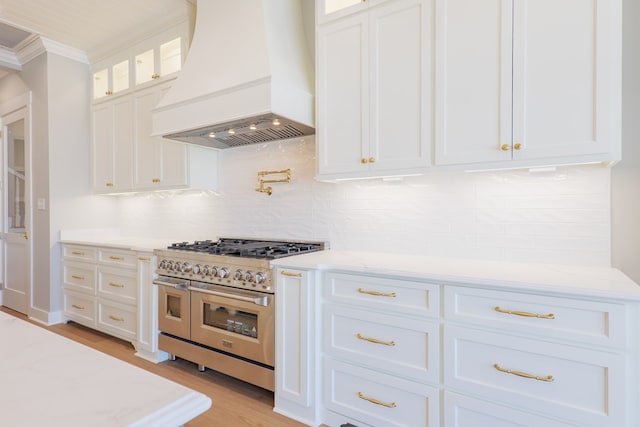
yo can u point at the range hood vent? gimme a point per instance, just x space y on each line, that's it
247 78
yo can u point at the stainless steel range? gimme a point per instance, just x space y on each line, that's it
216 304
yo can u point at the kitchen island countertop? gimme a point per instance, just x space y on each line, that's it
554 278
50 380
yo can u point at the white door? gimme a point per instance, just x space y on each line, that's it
16 210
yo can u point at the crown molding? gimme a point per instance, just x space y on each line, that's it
9 59
35 45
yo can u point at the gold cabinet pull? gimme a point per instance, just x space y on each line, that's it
377 294
25 235
156 180
116 285
505 147
372 159
116 258
364 161
548 378
286 273
108 93
525 314
109 184
517 146
376 401
77 253
116 318
144 258
155 76
77 277
375 341
79 307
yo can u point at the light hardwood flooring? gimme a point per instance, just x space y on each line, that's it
235 403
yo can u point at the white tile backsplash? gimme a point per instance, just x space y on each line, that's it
558 217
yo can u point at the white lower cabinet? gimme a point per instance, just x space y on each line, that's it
111 290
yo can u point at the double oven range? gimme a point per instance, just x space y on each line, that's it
216 304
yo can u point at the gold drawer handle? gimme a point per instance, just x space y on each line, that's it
143 258
109 184
376 401
525 314
77 253
116 285
78 277
286 273
376 293
117 258
116 318
79 307
548 378
375 341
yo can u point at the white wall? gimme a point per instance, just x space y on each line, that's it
625 197
557 217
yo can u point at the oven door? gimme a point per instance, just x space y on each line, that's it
235 321
174 306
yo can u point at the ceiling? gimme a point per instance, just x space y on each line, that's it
92 26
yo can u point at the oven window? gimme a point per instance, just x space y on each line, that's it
230 319
173 306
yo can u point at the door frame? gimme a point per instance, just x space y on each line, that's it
9 108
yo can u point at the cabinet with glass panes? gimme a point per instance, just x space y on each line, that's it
153 59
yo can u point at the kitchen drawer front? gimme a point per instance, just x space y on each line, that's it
562 318
117 319
117 257
79 307
406 347
79 253
463 411
378 399
79 276
118 284
585 386
387 294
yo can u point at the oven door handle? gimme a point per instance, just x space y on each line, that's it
178 286
263 300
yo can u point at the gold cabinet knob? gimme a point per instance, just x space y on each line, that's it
155 76
108 93
364 161
372 159
517 146
505 147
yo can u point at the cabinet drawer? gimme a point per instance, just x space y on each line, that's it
463 411
79 253
378 399
117 257
400 346
117 284
562 318
79 276
79 307
117 319
575 383
388 294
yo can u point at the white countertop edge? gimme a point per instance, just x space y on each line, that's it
573 280
178 413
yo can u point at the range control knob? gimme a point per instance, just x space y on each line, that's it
176 266
185 267
238 275
248 276
223 272
170 265
260 277
197 268
214 271
163 264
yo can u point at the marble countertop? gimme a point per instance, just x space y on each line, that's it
563 279
49 380
113 239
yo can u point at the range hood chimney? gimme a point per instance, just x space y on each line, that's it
247 78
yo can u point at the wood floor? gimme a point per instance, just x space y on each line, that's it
235 403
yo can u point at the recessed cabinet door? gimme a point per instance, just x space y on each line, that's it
103 147
343 95
563 65
473 71
400 76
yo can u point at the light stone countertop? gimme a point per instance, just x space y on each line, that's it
113 239
605 282
49 380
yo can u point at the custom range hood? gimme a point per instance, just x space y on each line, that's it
247 78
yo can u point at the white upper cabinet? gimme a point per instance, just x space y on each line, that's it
528 82
156 58
329 10
374 84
